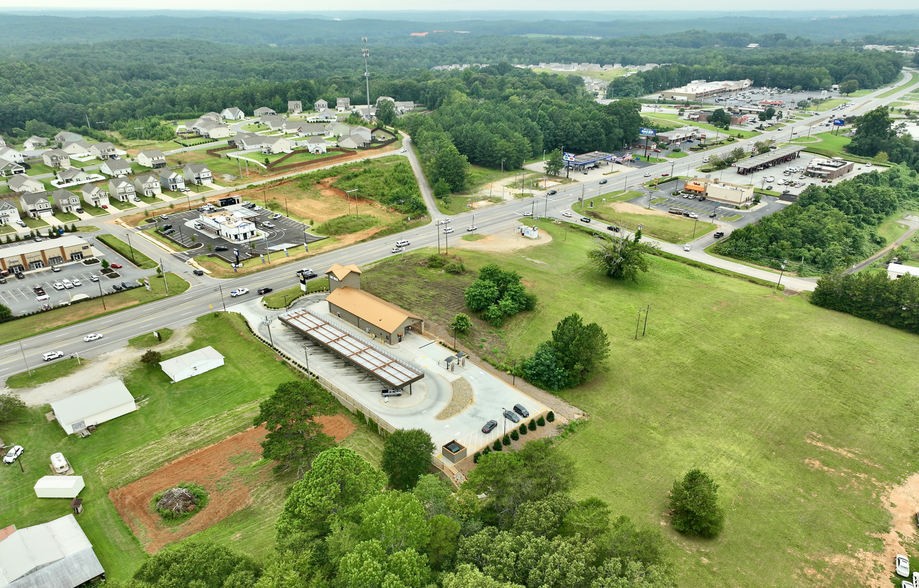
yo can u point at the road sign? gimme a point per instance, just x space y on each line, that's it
647 132
839 122
567 156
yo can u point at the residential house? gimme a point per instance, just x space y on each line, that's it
294 107
2 141
382 98
197 174
55 158
324 115
273 121
35 142
77 149
337 129
210 129
232 113
152 158
67 137
94 195
171 180
309 129
73 175
104 150
362 132
361 111
65 201
9 154
352 142
23 183
291 126
10 168
211 116
320 105
264 111
122 189
36 204
274 145
404 106
247 141
115 167
147 185
343 104
9 213
316 145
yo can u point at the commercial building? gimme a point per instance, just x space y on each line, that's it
32 255
56 554
93 407
230 226
698 89
680 135
192 364
720 191
829 169
769 159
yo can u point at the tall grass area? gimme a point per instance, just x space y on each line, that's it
128 252
798 413
343 225
172 420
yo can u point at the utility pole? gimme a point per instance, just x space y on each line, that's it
647 311
24 358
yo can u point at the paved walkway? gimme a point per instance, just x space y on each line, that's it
912 222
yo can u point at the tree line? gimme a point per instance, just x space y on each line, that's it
872 296
877 133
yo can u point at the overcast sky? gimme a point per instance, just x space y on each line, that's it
584 7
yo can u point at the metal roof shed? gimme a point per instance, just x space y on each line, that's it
56 554
192 363
93 407
59 486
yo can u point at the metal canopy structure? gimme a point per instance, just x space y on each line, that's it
395 372
780 155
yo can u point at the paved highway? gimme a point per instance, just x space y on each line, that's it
207 294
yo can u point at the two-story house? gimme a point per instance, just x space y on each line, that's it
264 111
115 167
337 129
10 168
294 107
72 175
10 154
320 105
170 180
35 142
274 145
95 196
67 137
77 149
36 205
404 106
210 129
9 213
65 201
147 185
197 174
343 104
309 129
55 158
23 183
324 115
122 189
316 145
104 150
232 113
152 158
273 121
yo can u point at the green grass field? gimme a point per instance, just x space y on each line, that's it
673 229
828 104
174 419
720 132
798 413
128 252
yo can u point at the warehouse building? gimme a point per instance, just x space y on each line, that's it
88 409
698 89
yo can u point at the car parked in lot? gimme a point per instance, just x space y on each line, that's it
902 562
511 416
387 392
275 215
116 266
489 426
239 292
52 355
117 287
127 285
93 278
268 225
519 409
265 290
67 283
92 337
57 286
13 454
55 268
76 282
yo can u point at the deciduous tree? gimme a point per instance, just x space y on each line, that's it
10 405
581 348
406 456
386 112
694 505
198 564
554 162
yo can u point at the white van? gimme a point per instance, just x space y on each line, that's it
43 298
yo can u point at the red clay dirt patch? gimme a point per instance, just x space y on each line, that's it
213 468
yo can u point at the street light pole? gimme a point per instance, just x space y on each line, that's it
220 287
267 322
348 193
782 273
24 359
505 419
165 280
132 248
694 228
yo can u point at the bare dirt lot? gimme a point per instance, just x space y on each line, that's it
226 470
507 240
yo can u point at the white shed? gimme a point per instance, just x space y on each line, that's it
59 486
93 407
192 363
895 270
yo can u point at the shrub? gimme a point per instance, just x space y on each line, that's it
497 445
197 492
487 450
531 425
523 429
515 435
436 261
343 225
151 357
475 458
550 417
541 422
694 505
506 440
455 268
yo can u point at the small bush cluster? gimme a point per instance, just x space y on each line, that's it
456 268
199 494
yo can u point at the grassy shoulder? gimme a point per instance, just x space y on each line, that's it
128 252
150 340
90 309
282 298
45 373
790 434
670 228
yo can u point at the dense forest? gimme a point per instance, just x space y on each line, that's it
829 227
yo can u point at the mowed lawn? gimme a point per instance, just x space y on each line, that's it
173 420
801 415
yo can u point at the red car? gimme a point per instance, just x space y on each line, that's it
664 175
116 265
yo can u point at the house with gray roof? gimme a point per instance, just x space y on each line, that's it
10 168
274 145
337 129
56 554
308 129
67 137
197 174
324 115
152 158
9 213
294 107
72 175
170 180
122 189
65 201
273 122
10 154
94 195
264 111
77 149
232 113
34 142
56 158
320 105
343 104
104 150
115 167
247 141
147 185
36 204
404 106
23 183
211 116
352 142
210 129
316 145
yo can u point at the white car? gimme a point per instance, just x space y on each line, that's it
239 292
275 215
13 454
67 284
687 247
398 249
566 214
647 174
902 566
93 278
52 355
92 337
58 286
77 282
444 221
448 229
471 228
402 243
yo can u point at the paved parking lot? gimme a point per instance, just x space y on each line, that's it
284 233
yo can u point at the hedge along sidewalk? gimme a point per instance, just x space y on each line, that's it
128 252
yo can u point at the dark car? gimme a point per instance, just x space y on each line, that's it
613 228
127 285
713 215
719 234
518 408
584 219
307 274
198 272
166 227
602 181
39 291
2 280
489 426
221 248
264 290
117 287
20 276
553 192
511 416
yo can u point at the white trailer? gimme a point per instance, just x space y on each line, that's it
59 486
